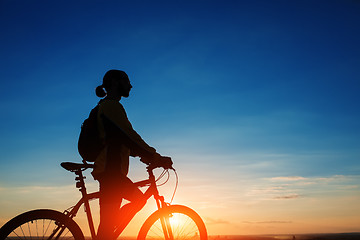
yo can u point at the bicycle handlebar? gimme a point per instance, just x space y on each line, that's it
164 162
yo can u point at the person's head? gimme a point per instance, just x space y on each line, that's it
116 84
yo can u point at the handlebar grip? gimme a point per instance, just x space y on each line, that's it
167 162
164 162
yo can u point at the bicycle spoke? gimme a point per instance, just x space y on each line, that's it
47 228
157 231
29 230
37 231
22 232
17 235
185 230
42 229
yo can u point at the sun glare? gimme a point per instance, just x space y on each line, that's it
182 227
174 220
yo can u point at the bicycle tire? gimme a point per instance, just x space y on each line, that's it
40 224
185 224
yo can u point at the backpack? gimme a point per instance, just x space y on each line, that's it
90 144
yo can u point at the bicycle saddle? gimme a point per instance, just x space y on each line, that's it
73 167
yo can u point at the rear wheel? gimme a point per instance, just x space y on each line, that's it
41 224
173 223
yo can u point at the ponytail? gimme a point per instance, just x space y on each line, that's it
100 92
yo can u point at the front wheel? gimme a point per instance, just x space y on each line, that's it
41 224
174 222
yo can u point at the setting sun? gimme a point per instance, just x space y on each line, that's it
182 223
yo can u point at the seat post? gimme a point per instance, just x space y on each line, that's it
80 183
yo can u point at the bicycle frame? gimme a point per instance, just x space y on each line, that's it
52 224
86 197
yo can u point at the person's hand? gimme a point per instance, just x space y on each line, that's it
166 162
161 161
157 160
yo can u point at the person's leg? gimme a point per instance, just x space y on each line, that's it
110 189
110 201
137 201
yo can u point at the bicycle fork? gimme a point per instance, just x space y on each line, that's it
166 226
165 220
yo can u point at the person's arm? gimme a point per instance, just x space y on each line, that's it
115 113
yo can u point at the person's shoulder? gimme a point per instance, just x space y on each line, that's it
111 107
105 103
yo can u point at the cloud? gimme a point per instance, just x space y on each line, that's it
334 178
294 187
285 197
267 222
290 178
336 181
215 221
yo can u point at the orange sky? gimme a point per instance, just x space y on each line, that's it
229 203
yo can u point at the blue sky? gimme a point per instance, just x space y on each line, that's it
248 91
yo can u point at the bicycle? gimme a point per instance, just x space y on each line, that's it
168 222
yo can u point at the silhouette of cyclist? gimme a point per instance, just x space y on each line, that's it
112 164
